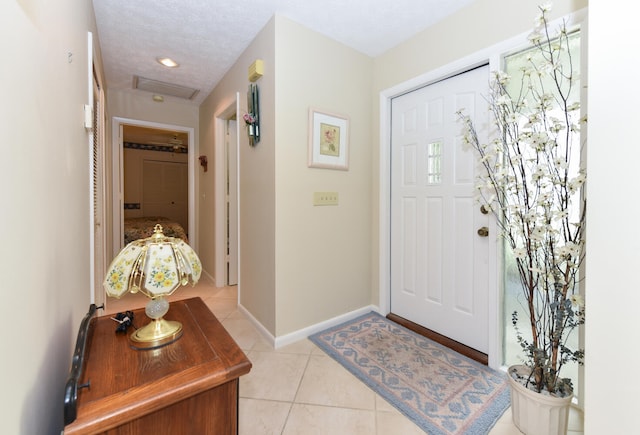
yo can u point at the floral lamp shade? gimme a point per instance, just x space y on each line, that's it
155 266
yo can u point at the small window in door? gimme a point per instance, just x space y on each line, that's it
434 163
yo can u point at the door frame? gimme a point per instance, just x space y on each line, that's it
97 181
118 177
491 56
229 111
232 147
414 308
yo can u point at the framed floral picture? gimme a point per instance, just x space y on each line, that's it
328 140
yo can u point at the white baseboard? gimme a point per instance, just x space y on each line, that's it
292 337
259 326
208 277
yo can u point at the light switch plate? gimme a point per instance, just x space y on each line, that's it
325 198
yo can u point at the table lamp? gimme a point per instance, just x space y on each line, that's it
155 266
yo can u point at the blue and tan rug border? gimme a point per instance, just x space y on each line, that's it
482 423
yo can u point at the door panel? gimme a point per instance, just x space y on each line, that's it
439 276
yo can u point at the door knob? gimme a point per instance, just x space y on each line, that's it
483 209
483 231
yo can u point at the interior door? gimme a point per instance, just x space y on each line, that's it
232 202
439 248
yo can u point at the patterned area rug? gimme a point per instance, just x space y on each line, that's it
440 390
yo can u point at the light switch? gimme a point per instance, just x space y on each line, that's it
325 198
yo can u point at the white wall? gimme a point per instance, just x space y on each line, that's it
612 285
44 192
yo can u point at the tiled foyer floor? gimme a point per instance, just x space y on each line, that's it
298 389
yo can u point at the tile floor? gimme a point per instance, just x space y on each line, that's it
297 389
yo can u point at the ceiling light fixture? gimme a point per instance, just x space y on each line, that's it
167 61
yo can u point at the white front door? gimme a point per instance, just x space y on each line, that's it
439 261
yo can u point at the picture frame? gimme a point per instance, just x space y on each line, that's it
328 140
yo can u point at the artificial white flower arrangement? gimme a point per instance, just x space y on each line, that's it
532 178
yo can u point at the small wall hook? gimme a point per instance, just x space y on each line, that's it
203 162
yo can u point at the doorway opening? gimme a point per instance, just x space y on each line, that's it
226 215
431 148
163 154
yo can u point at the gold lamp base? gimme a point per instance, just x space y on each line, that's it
158 332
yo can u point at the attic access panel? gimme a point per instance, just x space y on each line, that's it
164 88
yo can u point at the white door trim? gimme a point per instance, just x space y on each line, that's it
231 109
117 177
439 273
467 63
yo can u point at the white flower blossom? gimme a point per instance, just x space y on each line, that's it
560 162
560 214
577 301
501 77
573 106
520 252
503 100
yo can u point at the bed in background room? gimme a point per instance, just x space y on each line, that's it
139 228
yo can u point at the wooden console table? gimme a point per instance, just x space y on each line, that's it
187 387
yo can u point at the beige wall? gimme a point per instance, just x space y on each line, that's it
44 192
478 26
322 253
140 106
256 180
299 264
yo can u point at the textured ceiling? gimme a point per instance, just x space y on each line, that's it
206 37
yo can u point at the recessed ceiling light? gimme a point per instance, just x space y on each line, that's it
167 61
158 98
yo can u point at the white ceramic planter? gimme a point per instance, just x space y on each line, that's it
535 413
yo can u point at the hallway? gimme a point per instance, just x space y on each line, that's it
297 389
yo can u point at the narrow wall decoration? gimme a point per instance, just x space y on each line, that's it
252 117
